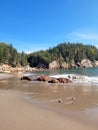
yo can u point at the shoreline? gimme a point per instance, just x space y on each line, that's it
17 114
13 103
5 76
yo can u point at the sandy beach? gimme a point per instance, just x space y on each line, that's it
18 114
5 76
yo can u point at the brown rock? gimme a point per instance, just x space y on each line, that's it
54 65
60 101
95 63
86 63
25 78
64 80
53 81
29 78
43 78
64 65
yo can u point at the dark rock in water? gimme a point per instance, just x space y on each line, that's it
64 80
29 78
46 79
43 78
53 81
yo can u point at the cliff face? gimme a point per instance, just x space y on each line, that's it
54 65
64 65
85 63
8 69
96 63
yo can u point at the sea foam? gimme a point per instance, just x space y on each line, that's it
75 78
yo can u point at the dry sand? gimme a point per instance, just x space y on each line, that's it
18 114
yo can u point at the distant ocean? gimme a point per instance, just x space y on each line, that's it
79 75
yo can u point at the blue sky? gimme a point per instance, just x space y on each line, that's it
31 25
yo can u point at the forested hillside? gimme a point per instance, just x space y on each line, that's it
64 52
69 53
9 55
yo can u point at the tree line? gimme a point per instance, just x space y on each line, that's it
63 52
9 55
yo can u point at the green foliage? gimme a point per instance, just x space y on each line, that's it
67 52
9 55
23 59
64 52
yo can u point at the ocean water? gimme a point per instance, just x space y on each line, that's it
84 89
79 75
80 71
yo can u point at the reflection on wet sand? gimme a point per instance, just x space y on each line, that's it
64 97
81 96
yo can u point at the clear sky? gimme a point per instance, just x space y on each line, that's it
32 25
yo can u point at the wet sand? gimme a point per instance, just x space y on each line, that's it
18 114
18 110
5 76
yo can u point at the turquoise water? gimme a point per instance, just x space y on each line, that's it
80 71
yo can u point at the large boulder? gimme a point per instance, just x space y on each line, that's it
54 80
54 65
64 80
29 78
43 78
86 63
95 63
73 64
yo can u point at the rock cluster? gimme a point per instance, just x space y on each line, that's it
54 65
46 79
8 69
85 63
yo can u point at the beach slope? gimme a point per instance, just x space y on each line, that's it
18 114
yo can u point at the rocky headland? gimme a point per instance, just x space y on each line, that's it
85 63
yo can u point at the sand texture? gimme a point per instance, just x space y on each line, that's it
18 114
5 76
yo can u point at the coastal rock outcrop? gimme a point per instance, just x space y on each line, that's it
72 64
64 65
54 65
86 63
96 64
9 69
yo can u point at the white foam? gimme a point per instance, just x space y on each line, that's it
75 78
29 74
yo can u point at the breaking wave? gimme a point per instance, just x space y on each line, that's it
75 78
